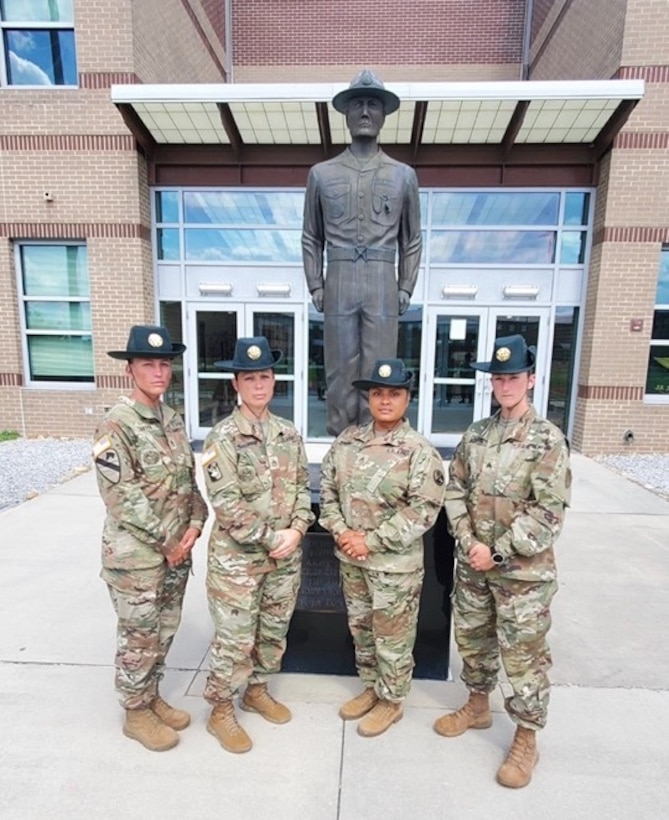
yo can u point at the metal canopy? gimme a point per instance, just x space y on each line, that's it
275 124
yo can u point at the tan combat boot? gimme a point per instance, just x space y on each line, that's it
222 724
174 718
358 706
146 727
258 699
475 714
382 716
523 756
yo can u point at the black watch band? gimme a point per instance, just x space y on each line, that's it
497 557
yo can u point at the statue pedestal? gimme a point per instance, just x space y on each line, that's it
319 641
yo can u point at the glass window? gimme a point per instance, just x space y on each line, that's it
485 247
53 283
576 208
657 377
170 317
572 250
486 208
244 208
248 245
167 206
38 42
562 366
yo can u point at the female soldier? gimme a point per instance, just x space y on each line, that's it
509 485
146 476
258 482
382 487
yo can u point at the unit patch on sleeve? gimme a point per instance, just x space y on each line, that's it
108 465
211 465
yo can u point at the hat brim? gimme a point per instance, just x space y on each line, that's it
391 102
238 367
177 350
368 384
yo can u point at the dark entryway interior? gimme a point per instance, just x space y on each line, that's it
319 640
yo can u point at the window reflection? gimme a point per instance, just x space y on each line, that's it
245 245
484 247
562 366
244 207
482 208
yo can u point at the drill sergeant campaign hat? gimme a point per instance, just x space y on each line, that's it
386 373
251 353
366 84
148 342
511 355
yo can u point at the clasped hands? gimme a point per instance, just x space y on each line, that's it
480 557
290 541
352 543
183 549
404 298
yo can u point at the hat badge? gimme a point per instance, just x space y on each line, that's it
254 352
385 370
503 354
155 340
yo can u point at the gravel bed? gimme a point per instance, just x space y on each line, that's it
31 466
650 470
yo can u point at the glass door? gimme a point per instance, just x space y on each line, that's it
213 331
455 395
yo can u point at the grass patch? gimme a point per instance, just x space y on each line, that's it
9 435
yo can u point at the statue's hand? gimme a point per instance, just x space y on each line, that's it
405 301
317 299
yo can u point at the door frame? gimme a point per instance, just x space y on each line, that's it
245 327
482 386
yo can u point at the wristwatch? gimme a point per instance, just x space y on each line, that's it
497 557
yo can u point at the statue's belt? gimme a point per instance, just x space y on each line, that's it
352 254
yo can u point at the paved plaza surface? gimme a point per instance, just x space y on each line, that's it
604 753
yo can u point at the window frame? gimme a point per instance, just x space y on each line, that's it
657 398
23 299
34 25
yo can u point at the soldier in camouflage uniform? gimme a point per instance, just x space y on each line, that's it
257 479
508 488
146 476
382 488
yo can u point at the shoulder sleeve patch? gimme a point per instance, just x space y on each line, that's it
438 477
208 456
101 445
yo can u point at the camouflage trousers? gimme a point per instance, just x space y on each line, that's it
495 616
251 615
148 605
382 610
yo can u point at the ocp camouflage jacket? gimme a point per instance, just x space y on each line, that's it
510 491
146 477
388 486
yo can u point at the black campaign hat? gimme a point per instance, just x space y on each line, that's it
511 355
386 373
148 342
366 84
251 353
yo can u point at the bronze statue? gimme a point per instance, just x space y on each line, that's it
362 210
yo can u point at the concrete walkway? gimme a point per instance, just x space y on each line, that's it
604 754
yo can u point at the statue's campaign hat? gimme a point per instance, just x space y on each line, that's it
386 373
511 355
251 353
366 84
148 342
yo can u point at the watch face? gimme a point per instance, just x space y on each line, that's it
497 558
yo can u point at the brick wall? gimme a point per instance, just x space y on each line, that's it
73 143
175 41
423 37
631 224
577 39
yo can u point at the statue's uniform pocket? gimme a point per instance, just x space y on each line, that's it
336 201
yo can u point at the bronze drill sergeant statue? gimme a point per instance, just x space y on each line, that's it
362 210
